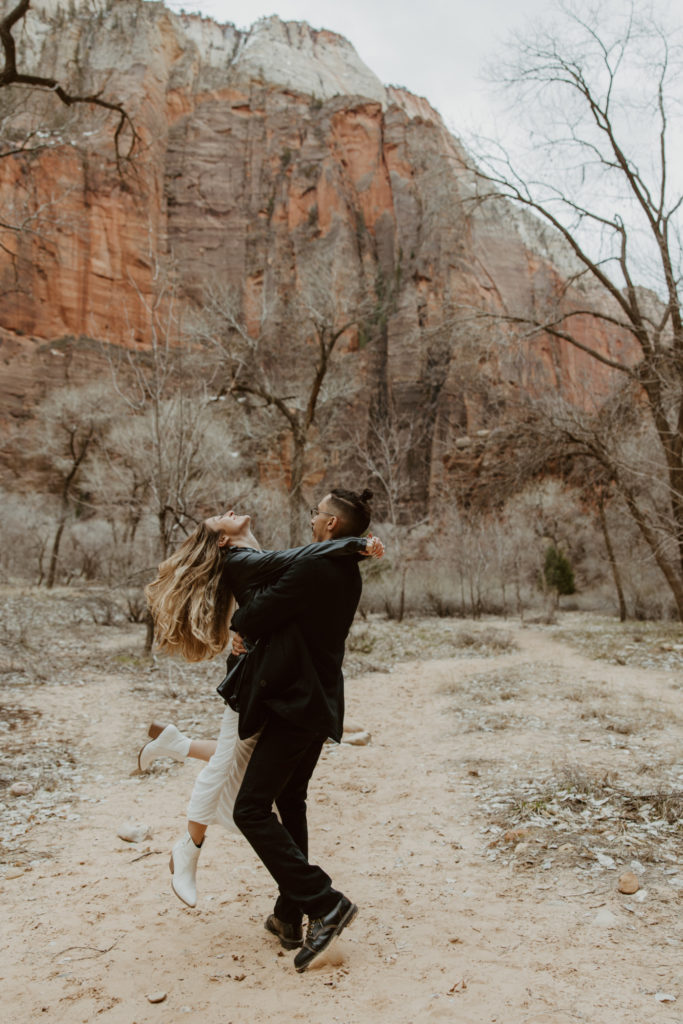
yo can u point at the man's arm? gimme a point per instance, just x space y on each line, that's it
257 567
277 604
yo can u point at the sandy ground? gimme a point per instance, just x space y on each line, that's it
460 918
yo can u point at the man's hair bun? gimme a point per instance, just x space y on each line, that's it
353 508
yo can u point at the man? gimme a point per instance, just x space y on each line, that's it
319 599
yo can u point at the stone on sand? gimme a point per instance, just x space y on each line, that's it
605 918
20 789
357 739
628 883
134 832
156 997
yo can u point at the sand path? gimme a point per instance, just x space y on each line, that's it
444 933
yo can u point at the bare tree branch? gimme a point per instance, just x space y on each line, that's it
11 75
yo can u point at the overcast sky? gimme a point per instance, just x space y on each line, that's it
436 48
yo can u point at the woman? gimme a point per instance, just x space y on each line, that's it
192 601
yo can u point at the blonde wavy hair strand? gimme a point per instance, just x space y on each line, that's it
190 603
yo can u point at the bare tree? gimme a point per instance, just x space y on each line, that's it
286 361
68 427
609 547
171 453
39 113
603 83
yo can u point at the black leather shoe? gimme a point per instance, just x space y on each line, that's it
321 931
291 936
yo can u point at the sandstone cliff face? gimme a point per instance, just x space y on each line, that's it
260 153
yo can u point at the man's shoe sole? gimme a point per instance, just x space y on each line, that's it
345 921
285 943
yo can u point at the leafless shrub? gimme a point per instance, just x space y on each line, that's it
19 624
105 611
361 641
495 641
576 695
136 605
14 715
578 779
26 526
668 806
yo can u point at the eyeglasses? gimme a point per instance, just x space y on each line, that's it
316 512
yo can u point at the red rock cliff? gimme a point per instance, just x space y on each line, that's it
257 151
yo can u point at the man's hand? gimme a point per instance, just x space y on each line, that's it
373 547
238 644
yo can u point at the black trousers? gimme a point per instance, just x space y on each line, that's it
278 773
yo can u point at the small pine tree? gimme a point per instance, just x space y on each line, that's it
558 571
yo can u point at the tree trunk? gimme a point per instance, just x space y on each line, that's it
164 533
518 596
672 576
552 603
612 561
54 555
149 633
402 595
295 486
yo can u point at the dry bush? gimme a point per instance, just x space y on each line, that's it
86 551
475 563
26 526
267 506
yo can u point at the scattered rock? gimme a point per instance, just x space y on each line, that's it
357 739
134 832
664 997
20 789
628 883
605 918
605 861
514 835
156 997
566 848
14 873
522 847
352 727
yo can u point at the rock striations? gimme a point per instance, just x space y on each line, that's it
260 152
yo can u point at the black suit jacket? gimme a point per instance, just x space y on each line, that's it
313 603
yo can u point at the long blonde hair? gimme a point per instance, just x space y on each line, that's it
190 600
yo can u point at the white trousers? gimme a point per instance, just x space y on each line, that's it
217 785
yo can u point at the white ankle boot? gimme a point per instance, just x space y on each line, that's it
170 742
183 865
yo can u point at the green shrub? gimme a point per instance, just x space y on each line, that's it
558 571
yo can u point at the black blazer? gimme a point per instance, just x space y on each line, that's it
305 615
300 622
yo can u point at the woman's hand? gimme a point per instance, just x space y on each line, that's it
373 547
238 645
